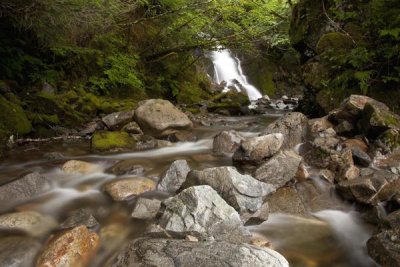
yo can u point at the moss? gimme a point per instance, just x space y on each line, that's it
375 120
333 42
315 75
105 140
44 119
389 140
13 118
329 99
193 110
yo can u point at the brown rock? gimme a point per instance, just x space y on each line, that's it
79 167
120 190
72 248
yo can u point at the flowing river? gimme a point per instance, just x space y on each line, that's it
330 237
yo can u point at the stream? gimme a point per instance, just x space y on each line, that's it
323 238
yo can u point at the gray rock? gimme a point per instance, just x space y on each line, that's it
92 127
80 217
28 222
293 126
226 142
256 149
360 157
201 212
23 188
18 251
174 177
315 126
127 167
53 156
146 209
116 120
280 169
158 118
384 248
242 192
183 253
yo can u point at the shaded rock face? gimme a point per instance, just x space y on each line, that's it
182 253
226 142
29 222
72 248
174 177
280 169
18 251
242 192
78 218
158 118
120 190
293 126
146 208
116 120
201 212
254 150
384 248
23 188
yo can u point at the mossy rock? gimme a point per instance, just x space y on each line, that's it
334 42
44 119
389 140
375 120
329 99
13 118
315 75
112 141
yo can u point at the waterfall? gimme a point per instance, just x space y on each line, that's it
227 69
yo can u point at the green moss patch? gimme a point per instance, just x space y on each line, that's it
106 141
13 118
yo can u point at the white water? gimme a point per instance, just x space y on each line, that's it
227 68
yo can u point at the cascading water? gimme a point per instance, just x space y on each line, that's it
227 68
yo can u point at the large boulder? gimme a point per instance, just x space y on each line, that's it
70 248
174 177
116 120
242 192
256 149
293 126
226 142
280 169
160 118
201 212
182 253
23 188
18 251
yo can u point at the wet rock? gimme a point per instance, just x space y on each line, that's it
159 118
182 136
286 200
344 128
174 177
384 248
182 253
53 156
127 167
23 188
360 157
226 142
132 128
302 173
80 217
293 126
146 209
72 248
28 222
254 150
280 169
242 192
112 141
18 251
116 120
123 189
392 221
79 167
201 212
